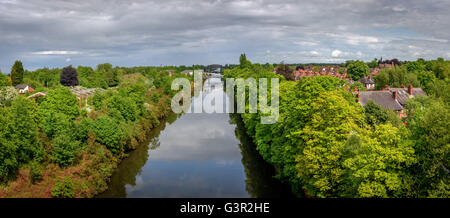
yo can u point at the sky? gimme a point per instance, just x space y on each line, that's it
48 33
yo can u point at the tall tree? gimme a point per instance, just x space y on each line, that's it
69 76
17 73
357 70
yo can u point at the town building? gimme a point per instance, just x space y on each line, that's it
390 98
22 88
368 82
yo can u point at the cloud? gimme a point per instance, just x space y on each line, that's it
137 32
55 53
336 53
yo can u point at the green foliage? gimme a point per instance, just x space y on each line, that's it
441 69
358 85
63 188
243 62
425 77
24 128
35 172
124 105
65 149
60 100
376 163
320 165
376 115
373 63
108 133
8 150
429 120
17 73
415 66
357 70
395 77
4 80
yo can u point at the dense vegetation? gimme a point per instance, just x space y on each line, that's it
61 145
326 145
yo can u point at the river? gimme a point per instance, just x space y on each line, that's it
196 155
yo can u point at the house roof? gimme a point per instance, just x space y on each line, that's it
383 98
366 80
20 86
403 95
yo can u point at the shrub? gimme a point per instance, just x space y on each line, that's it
63 188
23 129
125 106
7 95
64 150
108 133
60 100
35 172
57 124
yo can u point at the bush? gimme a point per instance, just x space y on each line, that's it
60 100
63 188
35 172
64 151
125 106
108 133
7 95
57 124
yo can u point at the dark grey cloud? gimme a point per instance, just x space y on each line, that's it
57 33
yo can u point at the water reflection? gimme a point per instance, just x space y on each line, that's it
196 155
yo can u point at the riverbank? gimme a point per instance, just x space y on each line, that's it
91 172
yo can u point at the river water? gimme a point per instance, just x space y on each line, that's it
197 155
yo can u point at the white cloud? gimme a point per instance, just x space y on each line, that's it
55 53
336 53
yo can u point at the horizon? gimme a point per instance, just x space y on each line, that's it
173 33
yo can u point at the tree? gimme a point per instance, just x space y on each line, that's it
429 120
375 115
69 76
396 76
60 100
8 150
286 71
17 73
373 63
357 70
414 67
109 74
64 150
108 133
377 164
320 165
243 62
24 129
4 80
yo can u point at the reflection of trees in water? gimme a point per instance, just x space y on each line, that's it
131 166
260 182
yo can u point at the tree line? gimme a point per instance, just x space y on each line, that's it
326 145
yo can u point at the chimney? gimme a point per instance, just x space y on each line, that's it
402 86
359 97
395 95
410 89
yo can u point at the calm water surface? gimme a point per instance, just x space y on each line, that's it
197 155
